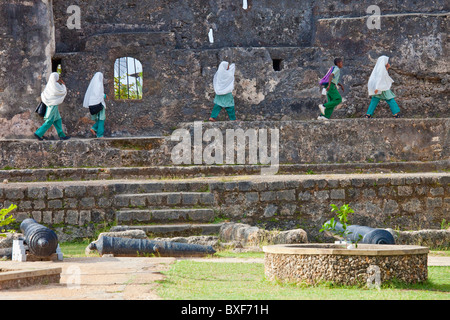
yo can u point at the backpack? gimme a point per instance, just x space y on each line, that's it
324 81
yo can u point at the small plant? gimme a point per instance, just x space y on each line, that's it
5 220
342 214
445 224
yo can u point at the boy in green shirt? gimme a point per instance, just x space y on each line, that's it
333 96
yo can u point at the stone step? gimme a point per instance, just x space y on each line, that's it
76 153
141 200
136 216
404 201
174 230
165 172
300 142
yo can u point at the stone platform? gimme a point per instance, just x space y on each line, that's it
76 209
365 265
350 142
393 173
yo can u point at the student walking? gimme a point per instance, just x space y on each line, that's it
333 96
223 86
379 87
53 95
95 99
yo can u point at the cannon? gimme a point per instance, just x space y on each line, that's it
369 235
134 247
41 241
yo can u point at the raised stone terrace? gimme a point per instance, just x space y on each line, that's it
393 173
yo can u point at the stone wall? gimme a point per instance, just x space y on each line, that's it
345 141
28 44
77 153
411 202
397 201
170 39
349 267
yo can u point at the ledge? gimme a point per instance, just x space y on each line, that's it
336 249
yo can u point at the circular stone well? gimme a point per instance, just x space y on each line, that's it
367 264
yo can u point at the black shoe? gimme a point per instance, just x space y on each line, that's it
367 116
39 138
398 115
64 138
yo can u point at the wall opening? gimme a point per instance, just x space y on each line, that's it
128 78
277 64
57 65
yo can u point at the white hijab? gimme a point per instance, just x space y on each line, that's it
380 79
224 79
54 92
95 92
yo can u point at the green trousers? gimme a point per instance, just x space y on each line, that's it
334 98
230 110
391 102
47 124
99 128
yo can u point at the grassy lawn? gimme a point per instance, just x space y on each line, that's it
189 280
207 280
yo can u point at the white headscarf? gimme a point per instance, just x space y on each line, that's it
380 79
224 79
54 92
95 92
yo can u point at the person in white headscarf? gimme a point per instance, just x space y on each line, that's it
95 94
223 87
379 87
53 95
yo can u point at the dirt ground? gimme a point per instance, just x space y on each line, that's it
104 278
112 278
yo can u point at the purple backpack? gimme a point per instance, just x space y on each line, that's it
324 81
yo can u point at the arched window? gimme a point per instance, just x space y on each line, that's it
128 78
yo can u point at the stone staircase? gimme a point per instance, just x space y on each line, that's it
392 174
162 213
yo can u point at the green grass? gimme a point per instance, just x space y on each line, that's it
75 249
189 280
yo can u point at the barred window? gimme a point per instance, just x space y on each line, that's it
128 78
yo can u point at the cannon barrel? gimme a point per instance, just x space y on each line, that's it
134 247
370 235
41 241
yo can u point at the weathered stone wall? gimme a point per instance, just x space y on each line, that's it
399 202
170 38
77 209
343 141
78 153
345 269
27 46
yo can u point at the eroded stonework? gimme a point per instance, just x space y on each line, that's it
170 39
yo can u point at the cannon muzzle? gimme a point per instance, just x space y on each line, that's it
369 235
41 241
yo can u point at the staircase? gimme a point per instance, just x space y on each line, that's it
170 213
393 174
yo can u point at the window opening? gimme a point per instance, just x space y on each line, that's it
128 78
277 64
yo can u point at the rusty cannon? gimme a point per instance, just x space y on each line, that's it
40 240
367 235
126 247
